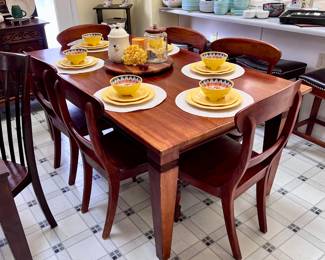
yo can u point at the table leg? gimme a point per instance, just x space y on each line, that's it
272 130
99 15
128 20
163 185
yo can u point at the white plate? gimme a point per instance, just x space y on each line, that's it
27 5
175 50
239 71
231 112
98 66
90 51
160 96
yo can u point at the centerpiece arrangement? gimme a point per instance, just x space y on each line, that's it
145 55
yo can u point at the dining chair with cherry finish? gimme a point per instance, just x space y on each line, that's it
16 144
74 33
251 48
43 78
9 219
226 168
113 155
182 35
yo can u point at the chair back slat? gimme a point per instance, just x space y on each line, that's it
74 33
2 142
256 49
182 35
285 103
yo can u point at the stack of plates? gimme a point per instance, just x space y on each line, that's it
170 47
88 62
200 68
144 94
196 98
191 5
98 47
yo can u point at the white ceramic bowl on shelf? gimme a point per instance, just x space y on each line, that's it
249 13
172 3
206 6
262 14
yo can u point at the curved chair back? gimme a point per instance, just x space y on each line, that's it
259 50
74 33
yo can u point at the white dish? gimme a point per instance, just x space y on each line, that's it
249 13
262 14
27 5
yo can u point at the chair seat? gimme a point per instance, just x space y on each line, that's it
287 69
209 165
18 175
315 79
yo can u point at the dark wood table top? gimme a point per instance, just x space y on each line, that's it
166 129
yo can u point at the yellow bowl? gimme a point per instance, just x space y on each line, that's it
214 59
92 39
76 56
215 88
126 85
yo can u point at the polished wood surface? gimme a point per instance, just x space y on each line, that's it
167 131
252 48
226 168
182 35
141 70
74 33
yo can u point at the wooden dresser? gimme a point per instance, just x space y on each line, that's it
27 37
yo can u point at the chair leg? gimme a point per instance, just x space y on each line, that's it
57 147
88 179
114 188
261 188
12 226
74 154
229 216
178 204
313 115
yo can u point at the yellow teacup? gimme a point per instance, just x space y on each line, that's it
76 56
126 85
214 59
215 88
92 39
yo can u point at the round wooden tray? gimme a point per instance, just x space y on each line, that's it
148 69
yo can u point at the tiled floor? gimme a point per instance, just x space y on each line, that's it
296 220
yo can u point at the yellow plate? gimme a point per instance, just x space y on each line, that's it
199 98
141 93
146 99
190 100
200 68
170 47
101 45
66 64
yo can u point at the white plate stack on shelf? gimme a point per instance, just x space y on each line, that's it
206 6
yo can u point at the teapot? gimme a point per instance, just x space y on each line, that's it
118 42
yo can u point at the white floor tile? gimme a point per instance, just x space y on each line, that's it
134 195
317 228
124 232
206 254
87 249
309 193
182 238
208 220
288 209
145 252
70 226
37 243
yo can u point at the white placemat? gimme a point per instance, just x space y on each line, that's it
160 96
239 71
175 50
98 66
183 105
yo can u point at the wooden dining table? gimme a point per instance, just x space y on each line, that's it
166 131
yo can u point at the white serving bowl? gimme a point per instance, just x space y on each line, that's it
249 13
262 14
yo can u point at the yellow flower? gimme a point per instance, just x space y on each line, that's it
134 55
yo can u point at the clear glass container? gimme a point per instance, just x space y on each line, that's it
156 44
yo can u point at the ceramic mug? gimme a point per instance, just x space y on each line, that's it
17 12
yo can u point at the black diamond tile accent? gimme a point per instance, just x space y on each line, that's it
316 210
294 228
3 242
282 191
302 178
208 201
139 180
58 248
115 254
292 153
78 207
42 160
65 189
95 229
181 217
129 212
182 184
308 144
269 247
96 177
52 174
321 166
149 234
42 121
31 203
176 258
207 241
43 224
237 222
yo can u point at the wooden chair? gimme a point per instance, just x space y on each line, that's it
112 154
249 48
9 219
16 145
226 168
43 78
74 33
182 35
